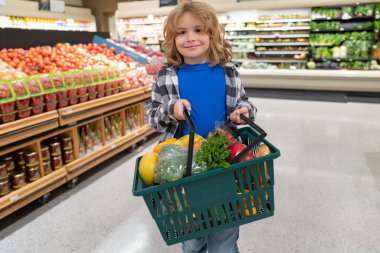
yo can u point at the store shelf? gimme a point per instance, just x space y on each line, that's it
242 51
147 92
241 29
283 20
275 36
303 79
283 44
87 162
82 111
32 191
271 60
287 28
240 37
281 52
341 30
21 129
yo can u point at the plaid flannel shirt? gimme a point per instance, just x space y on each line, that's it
165 94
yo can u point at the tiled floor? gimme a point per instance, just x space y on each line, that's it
327 192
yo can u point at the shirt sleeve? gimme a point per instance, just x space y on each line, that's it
161 114
242 98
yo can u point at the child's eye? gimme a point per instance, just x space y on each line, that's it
198 30
181 32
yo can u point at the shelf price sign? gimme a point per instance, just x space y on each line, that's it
57 6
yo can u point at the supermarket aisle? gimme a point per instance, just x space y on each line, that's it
327 192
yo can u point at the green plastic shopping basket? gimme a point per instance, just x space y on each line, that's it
218 199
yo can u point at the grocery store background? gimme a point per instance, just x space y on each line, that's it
72 121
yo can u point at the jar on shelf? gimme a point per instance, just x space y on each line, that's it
10 163
20 158
18 179
68 156
3 171
57 162
47 167
55 148
67 143
4 187
33 173
31 159
45 153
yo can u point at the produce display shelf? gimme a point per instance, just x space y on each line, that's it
241 29
24 128
270 60
87 162
148 92
81 111
274 36
240 37
284 44
339 59
242 51
342 30
305 79
283 20
343 19
281 52
31 191
286 28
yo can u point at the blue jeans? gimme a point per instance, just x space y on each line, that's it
221 242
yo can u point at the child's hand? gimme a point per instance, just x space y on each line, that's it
234 116
179 107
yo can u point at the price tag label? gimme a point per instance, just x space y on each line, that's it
69 110
57 6
342 29
113 146
13 198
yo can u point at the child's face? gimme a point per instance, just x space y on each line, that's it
191 41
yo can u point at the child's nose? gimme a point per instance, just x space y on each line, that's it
190 36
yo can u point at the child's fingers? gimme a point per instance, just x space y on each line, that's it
187 105
179 107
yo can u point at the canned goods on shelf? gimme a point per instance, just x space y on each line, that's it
18 179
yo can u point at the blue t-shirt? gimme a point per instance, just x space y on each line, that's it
204 87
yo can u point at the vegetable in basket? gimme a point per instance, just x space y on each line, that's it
171 164
214 152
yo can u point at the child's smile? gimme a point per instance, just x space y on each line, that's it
192 41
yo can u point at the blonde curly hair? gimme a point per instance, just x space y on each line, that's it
220 49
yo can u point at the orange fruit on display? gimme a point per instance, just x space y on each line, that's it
146 167
184 141
164 143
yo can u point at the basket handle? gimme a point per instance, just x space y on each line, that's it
261 135
190 124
